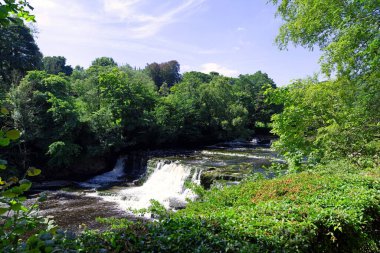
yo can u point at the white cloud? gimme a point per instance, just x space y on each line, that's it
141 24
108 27
209 67
240 29
186 68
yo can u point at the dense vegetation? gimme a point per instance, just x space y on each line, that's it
329 133
69 119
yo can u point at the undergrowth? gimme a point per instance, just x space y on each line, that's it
320 211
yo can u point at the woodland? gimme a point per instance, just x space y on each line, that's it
64 122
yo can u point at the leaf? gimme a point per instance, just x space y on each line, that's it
9 194
42 197
32 171
16 207
25 184
4 111
4 142
13 134
3 167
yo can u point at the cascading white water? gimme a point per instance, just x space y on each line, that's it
164 184
108 178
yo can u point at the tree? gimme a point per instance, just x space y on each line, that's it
12 11
249 89
336 119
130 97
166 72
18 54
56 64
222 114
44 111
197 77
104 62
154 71
346 31
170 72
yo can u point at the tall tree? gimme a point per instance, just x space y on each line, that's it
249 89
154 71
18 54
170 72
104 61
56 64
44 111
166 72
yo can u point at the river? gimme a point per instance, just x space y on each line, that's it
159 175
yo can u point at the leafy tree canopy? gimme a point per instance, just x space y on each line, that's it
346 31
337 119
56 64
166 72
18 54
104 61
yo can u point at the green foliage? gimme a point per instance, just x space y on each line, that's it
325 121
130 97
212 108
55 65
44 109
337 118
166 72
249 90
104 62
18 54
346 31
63 154
306 212
12 11
15 218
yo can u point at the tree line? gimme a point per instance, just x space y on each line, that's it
69 116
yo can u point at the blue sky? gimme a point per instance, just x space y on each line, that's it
231 37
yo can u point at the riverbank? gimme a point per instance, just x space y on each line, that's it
335 208
157 174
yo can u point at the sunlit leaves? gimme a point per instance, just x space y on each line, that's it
4 141
7 136
32 171
13 134
4 111
12 8
346 31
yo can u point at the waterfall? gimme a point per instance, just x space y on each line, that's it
164 184
108 178
196 179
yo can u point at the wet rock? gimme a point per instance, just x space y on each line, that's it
209 177
136 165
176 203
